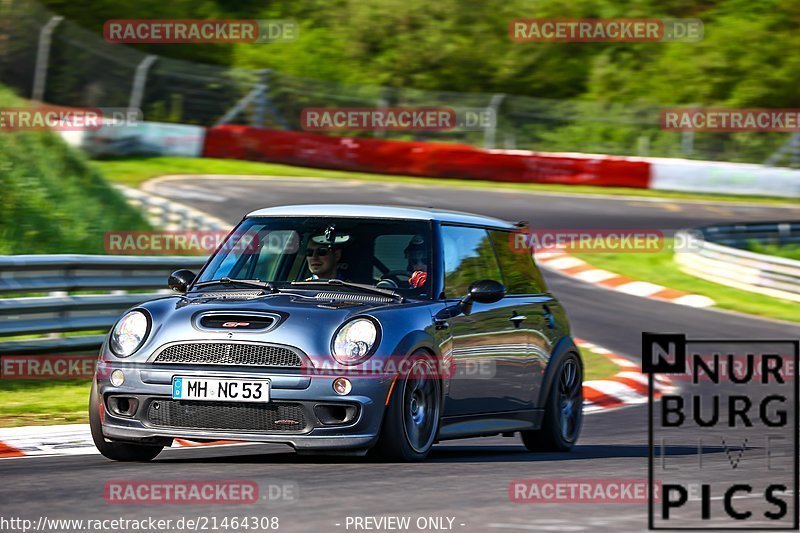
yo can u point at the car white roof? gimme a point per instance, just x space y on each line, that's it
380 211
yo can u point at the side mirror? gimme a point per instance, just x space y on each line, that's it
485 291
180 280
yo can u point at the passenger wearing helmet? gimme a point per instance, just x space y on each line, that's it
416 253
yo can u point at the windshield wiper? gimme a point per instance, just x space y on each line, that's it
230 281
340 283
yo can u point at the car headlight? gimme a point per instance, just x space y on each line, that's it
129 333
354 341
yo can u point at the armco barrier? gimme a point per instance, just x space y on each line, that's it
719 258
141 138
422 159
59 275
724 178
45 317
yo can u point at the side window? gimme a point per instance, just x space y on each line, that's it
468 256
390 250
516 261
275 248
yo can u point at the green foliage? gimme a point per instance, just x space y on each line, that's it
749 56
467 261
52 201
789 251
660 268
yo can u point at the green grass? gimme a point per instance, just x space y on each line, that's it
597 366
789 251
660 268
51 200
44 402
135 171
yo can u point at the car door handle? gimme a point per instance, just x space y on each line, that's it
518 318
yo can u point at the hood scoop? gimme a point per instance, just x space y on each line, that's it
216 321
351 297
232 295
340 304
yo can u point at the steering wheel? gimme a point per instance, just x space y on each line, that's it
396 277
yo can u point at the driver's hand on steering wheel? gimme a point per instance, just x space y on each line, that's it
418 279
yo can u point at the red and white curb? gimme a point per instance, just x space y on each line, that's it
68 439
628 387
573 267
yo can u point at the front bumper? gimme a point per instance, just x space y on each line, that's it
304 395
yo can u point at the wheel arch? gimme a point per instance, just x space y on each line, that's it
415 342
563 347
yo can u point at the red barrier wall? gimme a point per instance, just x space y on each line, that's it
438 160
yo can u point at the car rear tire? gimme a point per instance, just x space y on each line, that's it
563 415
411 421
116 451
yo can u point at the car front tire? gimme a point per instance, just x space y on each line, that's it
563 415
411 421
116 451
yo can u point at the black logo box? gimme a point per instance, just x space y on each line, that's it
675 343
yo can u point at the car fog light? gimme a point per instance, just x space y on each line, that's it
117 378
342 386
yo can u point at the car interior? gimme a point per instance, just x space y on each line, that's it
373 254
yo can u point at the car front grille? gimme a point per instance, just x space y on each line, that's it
227 353
283 417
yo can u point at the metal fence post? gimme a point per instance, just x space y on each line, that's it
382 103
43 57
260 111
490 131
139 81
5 31
791 146
687 143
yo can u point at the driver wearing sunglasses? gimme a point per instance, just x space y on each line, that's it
323 260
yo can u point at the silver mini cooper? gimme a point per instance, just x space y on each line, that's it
345 329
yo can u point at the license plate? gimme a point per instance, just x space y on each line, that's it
220 389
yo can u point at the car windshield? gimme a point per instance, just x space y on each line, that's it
382 253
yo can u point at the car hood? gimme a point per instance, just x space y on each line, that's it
305 322
335 309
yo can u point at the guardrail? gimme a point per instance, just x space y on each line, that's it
43 297
719 257
45 308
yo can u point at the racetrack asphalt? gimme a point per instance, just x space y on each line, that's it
467 480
